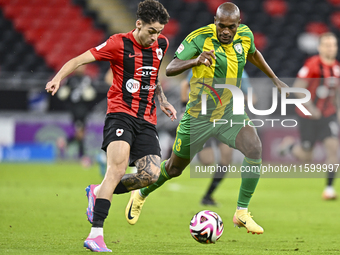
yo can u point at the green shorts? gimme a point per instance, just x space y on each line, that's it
192 133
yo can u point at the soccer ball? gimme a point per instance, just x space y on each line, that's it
206 227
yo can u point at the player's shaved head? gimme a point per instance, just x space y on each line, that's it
227 20
228 9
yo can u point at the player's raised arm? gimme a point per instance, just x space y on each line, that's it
177 66
71 65
257 59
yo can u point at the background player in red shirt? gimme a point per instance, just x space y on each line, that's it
320 75
129 131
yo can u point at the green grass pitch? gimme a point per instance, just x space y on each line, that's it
42 211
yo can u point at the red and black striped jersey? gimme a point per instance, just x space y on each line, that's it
323 83
135 74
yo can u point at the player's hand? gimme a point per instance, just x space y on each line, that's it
280 84
205 58
169 110
52 87
316 113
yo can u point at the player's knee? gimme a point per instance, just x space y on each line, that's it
115 172
254 150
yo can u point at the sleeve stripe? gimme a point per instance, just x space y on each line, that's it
198 32
244 30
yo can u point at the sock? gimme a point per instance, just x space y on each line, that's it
120 189
218 177
241 208
330 178
163 177
100 212
96 232
249 180
95 191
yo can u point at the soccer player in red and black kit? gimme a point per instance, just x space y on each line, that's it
129 132
320 75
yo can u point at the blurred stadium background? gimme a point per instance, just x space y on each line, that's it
38 36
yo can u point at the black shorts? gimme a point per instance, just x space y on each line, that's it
140 134
312 131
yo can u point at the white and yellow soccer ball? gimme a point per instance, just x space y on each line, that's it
206 227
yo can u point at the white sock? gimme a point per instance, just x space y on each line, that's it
242 208
141 194
95 191
96 232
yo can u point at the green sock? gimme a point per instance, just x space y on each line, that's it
249 180
163 177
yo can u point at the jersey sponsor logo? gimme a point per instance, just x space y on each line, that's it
101 46
129 213
132 85
135 55
119 131
238 48
180 48
148 87
243 222
159 53
146 71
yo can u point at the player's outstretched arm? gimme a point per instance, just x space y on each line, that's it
257 59
165 106
53 85
177 66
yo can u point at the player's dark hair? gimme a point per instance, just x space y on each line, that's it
150 11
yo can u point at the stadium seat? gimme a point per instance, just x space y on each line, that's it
335 19
260 40
12 11
316 28
334 2
275 8
171 29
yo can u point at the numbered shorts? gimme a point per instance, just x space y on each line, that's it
312 131
140 134
192 133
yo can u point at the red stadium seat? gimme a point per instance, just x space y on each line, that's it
335 2
34 35
18 2
71 12
275 8
260 40
39 23
335 19
60 3
171 29
316 28
212 5
12 11
23 23
3 2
